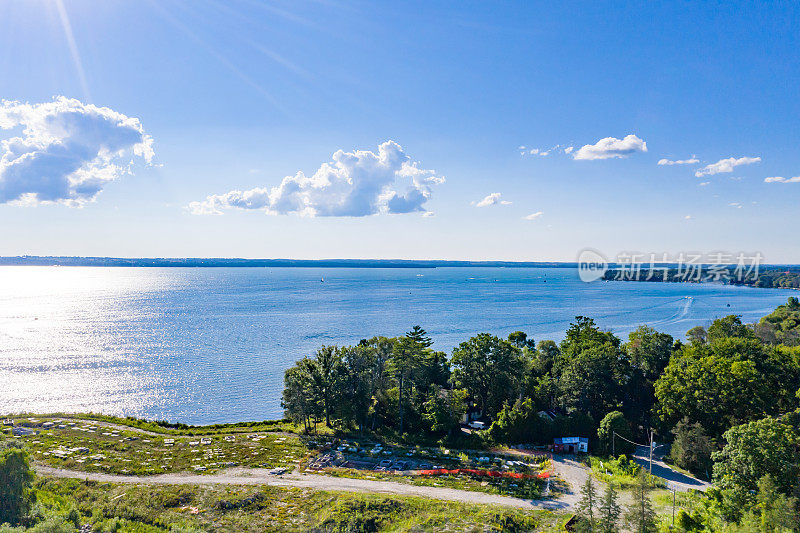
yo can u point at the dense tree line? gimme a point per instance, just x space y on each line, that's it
726 398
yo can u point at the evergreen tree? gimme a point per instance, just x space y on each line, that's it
641 518
420 336
16 476
587 505
609 511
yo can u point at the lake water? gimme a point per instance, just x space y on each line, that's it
204 345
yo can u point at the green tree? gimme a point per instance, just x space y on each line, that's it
782 326
764 447
357 386
409 362
520 340
420 336
325 371
583 333
298 400
729 326
16 478
587 505
609 511
692 448
520 423
640 517
490 369
646 354
697 335
614 422
590 381
726 382
648 351
778 512
444 408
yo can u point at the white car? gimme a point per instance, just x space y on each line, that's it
476 424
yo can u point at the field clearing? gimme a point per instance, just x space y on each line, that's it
108 445
92 446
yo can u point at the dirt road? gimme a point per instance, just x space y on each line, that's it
243 476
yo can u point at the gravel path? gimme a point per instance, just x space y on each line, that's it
242 476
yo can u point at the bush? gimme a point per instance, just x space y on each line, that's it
361 516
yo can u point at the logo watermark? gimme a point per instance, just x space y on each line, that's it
695 267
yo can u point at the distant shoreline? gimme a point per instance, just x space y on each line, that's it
192 262
222 262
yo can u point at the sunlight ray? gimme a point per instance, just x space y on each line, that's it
73 48
169 17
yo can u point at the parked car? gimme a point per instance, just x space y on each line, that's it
476 424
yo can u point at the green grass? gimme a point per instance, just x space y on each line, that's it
89 446
146 509
620 472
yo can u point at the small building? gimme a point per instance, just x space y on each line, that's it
571 445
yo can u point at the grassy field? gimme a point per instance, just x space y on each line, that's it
138 509
92 446
96 443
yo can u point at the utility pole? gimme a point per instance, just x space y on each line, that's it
651 451
673 509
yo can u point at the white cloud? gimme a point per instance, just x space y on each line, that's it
688 217
737 205
670 162
352 184
544 152
534 216
725 165
66 151
705 183
779 179
492 199
611 147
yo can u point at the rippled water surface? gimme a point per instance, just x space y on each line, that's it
203 345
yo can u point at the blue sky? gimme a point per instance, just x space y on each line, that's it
180 120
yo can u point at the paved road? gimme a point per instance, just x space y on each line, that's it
243 476
681 482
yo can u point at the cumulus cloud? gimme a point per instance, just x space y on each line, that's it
692 161
725 165
492 199
779 179
352 184
534 216
65 151
736 205
611 148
